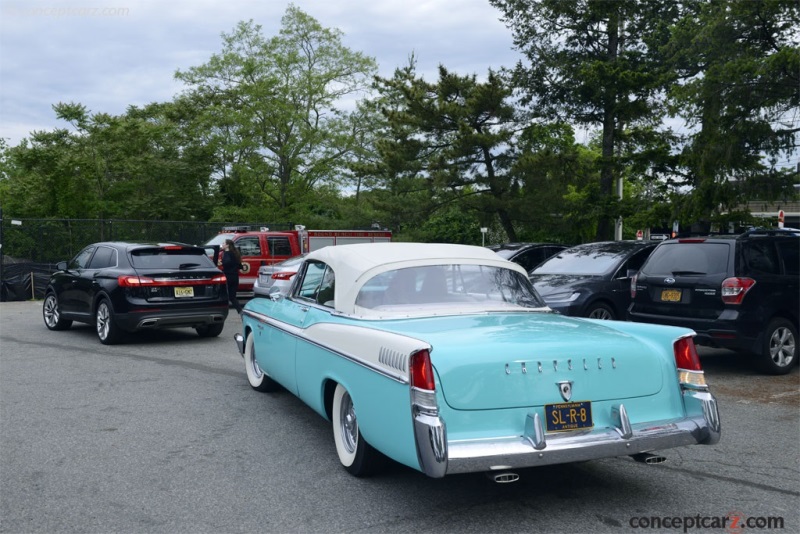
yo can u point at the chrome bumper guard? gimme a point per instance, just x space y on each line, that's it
438 457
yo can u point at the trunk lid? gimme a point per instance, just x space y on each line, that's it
498 361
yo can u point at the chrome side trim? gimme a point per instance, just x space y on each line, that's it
298 333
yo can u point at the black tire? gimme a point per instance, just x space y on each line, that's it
600 310
210 330
107 330
52 314
356 455
779 348
258 379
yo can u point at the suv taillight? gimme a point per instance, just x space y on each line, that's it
734 289
633 285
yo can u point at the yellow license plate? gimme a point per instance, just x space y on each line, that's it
670 295
183 292
568 416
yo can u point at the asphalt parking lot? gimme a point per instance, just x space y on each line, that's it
163 434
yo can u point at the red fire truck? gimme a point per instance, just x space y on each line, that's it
263 246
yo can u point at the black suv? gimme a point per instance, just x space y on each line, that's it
740 292
126 287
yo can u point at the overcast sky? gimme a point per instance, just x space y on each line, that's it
110 54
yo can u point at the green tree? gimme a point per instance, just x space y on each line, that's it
451 141
274 110
595 64
738 71
138 165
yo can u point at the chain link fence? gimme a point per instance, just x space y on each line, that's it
30 248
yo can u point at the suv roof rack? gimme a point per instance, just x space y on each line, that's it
771 231
744 232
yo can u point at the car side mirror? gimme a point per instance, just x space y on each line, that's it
61 266
275 293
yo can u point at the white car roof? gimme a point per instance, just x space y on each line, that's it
354 265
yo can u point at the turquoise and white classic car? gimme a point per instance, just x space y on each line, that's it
443 358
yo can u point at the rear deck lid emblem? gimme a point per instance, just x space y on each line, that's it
565 388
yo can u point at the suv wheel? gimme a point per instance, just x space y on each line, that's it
601 311
779 352
107 330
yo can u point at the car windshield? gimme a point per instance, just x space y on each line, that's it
589 260
460 284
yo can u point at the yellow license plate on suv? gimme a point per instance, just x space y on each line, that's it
568 416
184 292
670 295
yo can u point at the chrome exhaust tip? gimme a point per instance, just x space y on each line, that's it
648 458
503 478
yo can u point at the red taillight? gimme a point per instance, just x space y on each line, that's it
422 371
690 374
135 281
286 275
172 247
686 357
633 285
734 289
145 281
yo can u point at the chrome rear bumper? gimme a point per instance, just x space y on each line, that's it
439 457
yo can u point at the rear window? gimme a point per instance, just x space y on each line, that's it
688 258
169 258
435 285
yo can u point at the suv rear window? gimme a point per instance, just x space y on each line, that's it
688 258
163 258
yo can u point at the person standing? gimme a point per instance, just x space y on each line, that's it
231 263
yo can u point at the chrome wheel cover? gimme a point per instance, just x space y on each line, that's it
782 347
103 321
255 370
51 314
348 424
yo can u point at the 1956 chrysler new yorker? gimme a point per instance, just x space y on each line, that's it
444 358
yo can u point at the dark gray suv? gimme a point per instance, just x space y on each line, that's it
740 292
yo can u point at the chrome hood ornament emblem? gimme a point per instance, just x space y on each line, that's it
565 388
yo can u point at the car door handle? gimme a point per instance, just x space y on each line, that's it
304 308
